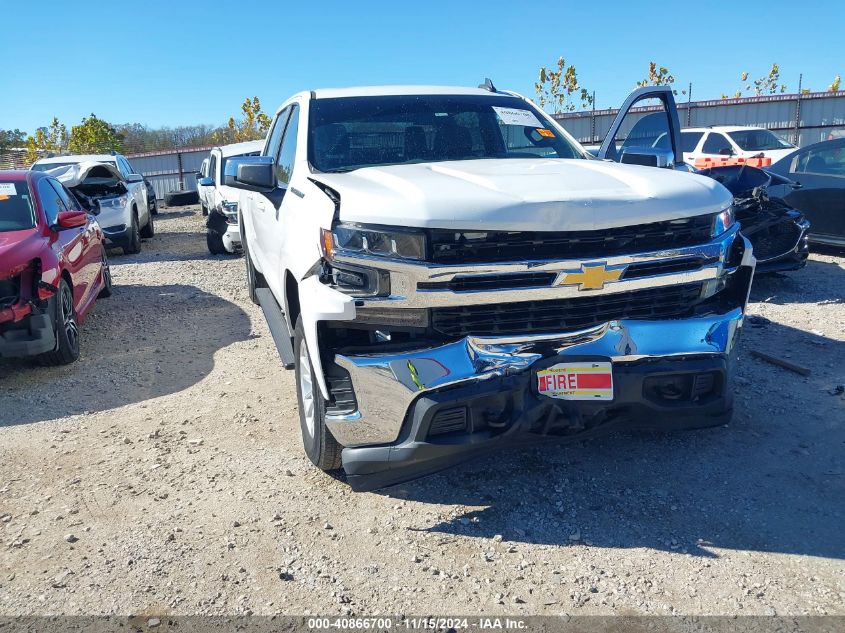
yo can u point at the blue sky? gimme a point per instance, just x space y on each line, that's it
177 63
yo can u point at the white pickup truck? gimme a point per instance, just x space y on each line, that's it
449 272
220 202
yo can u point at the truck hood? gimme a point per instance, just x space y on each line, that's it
88 172
17 250
522 194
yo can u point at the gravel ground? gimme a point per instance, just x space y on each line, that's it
163 474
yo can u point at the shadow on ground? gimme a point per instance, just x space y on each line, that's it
773 480
142 343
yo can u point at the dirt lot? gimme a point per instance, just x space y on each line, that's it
163 474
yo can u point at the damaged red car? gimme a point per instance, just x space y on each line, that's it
53 267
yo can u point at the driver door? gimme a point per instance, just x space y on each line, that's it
649 136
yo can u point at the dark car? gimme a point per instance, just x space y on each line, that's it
819 173
778 233
53 267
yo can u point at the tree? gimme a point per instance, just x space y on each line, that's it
556 88
12 138
658 76
767 84
47 140
834 85
94 136
254 124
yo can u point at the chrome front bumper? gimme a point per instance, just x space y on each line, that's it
386 385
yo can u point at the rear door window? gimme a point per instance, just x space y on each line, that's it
716 144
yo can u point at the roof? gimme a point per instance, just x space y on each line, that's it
369 91
13 174
78 158
722 128
236 149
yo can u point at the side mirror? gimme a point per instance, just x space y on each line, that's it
134 178
648 156
71 219
207 181
253 173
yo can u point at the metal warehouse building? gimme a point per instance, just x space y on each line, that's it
798 118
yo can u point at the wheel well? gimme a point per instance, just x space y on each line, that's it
291 299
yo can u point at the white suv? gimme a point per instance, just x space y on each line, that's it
722 141
219 201
120 193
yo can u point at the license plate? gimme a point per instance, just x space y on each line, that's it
576 381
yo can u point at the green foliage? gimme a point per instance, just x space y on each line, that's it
12 138
555 88
252 126
658 76
834 85
94 136
47 140
766 85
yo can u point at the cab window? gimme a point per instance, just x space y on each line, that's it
212 168
287 151
827 162
689 140
277 131
16 212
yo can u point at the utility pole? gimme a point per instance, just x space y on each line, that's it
798 109
593 120
689 105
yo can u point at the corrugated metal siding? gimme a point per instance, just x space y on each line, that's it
172 170
820 114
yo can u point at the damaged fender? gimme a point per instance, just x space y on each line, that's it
318 302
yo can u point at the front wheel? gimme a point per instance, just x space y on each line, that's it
320 446
67 329
106 272
134 245
215 243
154 207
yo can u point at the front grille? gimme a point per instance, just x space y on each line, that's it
461 247
775 240
452 420
563 315
9 291
477 283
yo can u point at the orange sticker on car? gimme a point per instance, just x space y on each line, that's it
545 132
2 197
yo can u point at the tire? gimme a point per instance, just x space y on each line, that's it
215 243
181 198
154 207
204 210
67 329
107 284
134 245
320 446
149 230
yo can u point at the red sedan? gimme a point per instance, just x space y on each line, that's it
53 267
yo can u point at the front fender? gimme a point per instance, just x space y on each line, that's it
317 303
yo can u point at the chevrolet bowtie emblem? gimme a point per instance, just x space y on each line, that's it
591 277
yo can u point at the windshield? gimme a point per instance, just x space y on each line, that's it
352 132
758 140
49 166
16 212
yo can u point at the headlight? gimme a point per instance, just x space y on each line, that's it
723 221
229 207
111 203
382 242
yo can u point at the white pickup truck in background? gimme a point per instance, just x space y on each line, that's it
449 272
220 202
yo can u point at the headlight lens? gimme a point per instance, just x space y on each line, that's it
110 203
723 221
382 242
230 207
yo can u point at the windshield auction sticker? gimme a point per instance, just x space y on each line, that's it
7 189
514 116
